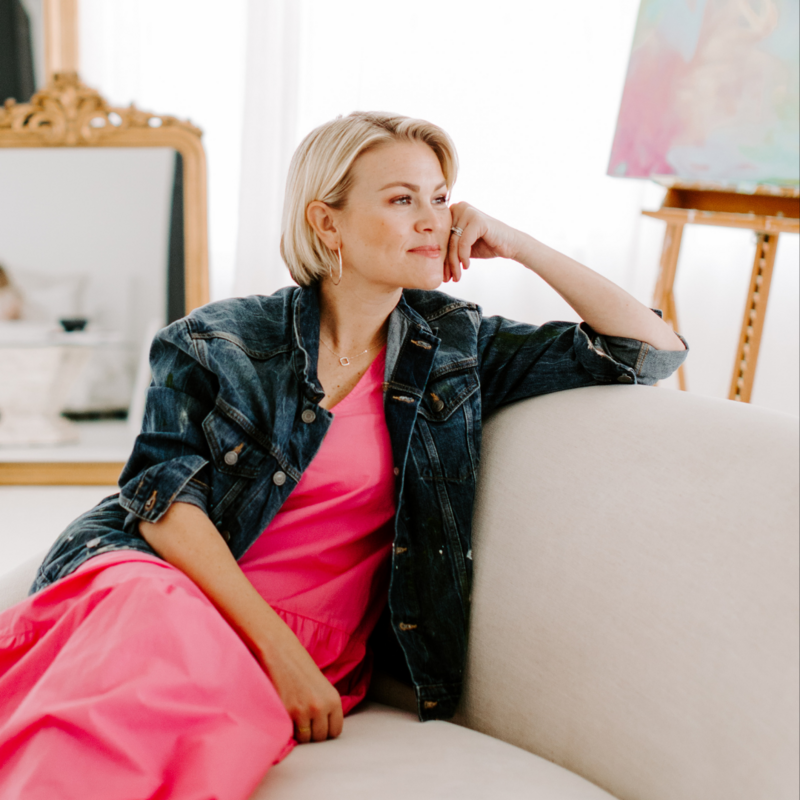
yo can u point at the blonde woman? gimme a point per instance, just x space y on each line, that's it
307 464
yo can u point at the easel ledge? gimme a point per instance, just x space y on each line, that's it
767 210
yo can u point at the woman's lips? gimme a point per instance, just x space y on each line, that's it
432 251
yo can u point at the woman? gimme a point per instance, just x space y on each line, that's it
343 420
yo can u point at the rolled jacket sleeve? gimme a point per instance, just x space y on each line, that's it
171 453
648 363
520 360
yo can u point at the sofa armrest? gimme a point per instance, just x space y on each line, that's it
14 585
635 597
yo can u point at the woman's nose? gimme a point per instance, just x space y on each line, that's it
429 220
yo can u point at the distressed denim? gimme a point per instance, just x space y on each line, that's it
232 421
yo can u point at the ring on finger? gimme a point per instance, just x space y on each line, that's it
303 730
456 231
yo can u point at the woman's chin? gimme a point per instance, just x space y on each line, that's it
428 278
431 279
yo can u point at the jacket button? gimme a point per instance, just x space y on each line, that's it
438 406
231 457
625 378
308 416
226 535
279 478
396 470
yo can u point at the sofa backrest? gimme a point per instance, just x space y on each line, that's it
635 603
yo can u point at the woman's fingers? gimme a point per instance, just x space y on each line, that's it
452 257
336 722
446 271
467 220
465 247
302 731
319 727
320 721
482 237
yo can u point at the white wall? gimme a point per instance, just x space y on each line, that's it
94 218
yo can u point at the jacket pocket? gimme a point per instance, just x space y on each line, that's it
446 393
234 450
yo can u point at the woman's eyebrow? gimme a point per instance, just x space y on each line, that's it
412 186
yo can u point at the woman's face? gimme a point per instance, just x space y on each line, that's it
396 223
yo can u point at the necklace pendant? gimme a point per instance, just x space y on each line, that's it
344 361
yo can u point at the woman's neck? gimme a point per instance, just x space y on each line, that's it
352 317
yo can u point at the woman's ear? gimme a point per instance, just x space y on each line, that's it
320 218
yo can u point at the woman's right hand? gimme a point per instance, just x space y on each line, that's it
187 539
311 700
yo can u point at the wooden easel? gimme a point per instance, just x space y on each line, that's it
769 211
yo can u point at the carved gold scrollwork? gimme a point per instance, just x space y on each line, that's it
69 113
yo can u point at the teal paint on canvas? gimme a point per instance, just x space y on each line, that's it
712 93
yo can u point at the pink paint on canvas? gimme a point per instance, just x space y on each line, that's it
712 93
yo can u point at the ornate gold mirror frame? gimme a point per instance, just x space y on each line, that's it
68 113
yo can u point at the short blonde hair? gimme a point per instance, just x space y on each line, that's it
322 169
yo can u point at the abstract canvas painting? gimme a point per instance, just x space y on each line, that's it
712 93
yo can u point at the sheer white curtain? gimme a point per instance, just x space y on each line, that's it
185 58
268 139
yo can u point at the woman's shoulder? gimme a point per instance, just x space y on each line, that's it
255 321
239 313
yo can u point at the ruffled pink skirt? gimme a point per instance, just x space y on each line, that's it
123 681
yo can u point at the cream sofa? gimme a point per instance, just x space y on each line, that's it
634 632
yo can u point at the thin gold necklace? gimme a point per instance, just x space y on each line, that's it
345 360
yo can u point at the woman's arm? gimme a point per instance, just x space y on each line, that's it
186 538
607 308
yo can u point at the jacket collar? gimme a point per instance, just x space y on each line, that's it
305 333
404 322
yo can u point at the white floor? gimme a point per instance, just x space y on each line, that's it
31 517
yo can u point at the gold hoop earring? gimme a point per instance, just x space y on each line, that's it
336 283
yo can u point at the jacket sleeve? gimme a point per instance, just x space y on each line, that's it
170 454
518 360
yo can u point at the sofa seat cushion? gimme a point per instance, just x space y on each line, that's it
389 754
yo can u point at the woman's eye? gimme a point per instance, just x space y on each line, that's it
402 201
442 200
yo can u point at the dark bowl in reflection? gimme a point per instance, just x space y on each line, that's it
73 324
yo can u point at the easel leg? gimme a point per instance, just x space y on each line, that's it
663 297
755 309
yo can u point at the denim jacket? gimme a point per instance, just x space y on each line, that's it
232 421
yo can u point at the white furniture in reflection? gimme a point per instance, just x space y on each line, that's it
39 364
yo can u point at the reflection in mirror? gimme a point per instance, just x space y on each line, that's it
85 256
21 48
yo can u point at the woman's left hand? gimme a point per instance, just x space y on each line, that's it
482 237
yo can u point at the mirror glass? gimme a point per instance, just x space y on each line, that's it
87 247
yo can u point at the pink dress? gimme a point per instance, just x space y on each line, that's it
122 680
